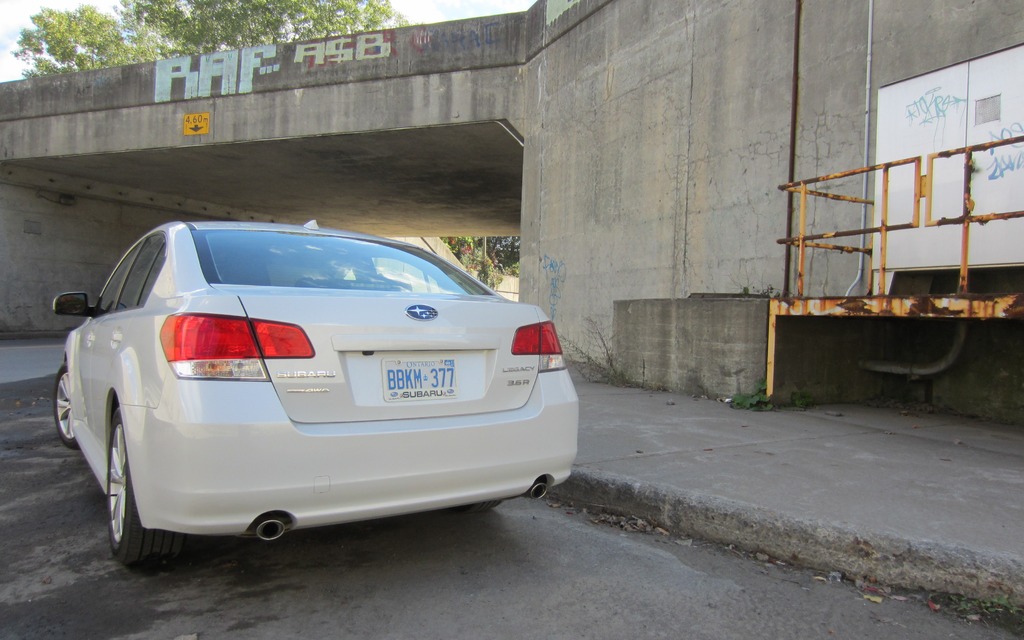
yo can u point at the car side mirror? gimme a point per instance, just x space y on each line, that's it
72 304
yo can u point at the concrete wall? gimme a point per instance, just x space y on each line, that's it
424 51
713 346
657 134
49 248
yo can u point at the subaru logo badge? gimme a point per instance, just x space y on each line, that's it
421 312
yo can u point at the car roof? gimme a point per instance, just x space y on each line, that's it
287 228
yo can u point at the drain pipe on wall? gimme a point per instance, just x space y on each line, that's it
793 123
867 149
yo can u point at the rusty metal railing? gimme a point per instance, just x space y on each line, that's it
922 187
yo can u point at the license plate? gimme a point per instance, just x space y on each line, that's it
406 380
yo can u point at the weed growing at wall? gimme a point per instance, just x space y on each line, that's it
594 358
756 401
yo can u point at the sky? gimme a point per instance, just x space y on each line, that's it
17 13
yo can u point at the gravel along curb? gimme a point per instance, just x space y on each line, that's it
914 564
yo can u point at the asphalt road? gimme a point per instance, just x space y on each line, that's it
529 569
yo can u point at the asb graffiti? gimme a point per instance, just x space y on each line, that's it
221 73
363 46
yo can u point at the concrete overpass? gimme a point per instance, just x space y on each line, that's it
635 145
400 132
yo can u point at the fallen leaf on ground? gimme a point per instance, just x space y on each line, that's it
933 606
875 599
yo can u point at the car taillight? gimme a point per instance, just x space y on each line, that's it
208 346
280 340
539 340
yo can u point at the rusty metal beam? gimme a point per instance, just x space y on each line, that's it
795 186
1008 306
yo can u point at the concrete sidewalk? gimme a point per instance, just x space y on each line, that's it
909 498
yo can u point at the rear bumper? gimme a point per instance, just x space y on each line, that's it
221 456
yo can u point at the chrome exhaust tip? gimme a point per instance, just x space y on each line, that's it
271 526
539 488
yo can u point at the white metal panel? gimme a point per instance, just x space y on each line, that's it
970 103
998 183
915 118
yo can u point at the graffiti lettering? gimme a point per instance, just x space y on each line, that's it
555 270
364 46
1010 159
426 40
933 107
555 8
230 72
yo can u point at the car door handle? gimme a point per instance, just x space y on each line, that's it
116 338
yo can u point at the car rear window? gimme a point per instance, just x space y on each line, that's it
291 259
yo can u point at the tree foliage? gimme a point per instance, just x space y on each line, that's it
78 40
501 257
143 30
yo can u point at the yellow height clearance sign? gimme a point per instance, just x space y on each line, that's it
196 124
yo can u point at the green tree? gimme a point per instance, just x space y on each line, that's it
79 40
501 257
145 30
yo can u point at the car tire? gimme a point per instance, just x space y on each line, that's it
478 507
130 542
62 413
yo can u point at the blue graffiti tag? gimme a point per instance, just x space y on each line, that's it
933 107
555 270
1009 160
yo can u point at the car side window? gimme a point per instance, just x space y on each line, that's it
110 291
142 274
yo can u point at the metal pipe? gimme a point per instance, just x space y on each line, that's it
270 530
539 488
867 144
927 369
793 123
271 525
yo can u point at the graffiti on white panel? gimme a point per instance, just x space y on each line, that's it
1006 160
934 107
222 73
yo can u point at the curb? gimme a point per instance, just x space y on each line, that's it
816 545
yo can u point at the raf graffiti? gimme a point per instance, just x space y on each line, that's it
221 73
364 46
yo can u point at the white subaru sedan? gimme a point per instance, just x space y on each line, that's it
248 379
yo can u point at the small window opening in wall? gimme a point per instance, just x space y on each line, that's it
987 110
33 227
